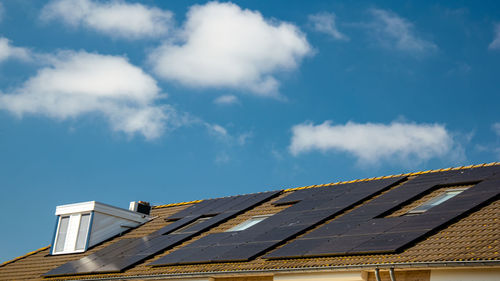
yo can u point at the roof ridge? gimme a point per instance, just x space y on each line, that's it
176 204
24 256
198 201
352 181
397 175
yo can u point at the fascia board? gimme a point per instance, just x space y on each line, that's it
101 208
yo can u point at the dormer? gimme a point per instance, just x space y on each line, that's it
83 225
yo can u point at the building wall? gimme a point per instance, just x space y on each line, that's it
404 275
483 274
249 278
334 276
407 275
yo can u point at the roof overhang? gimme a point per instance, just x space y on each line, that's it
101 208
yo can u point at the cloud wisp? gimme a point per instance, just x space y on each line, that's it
79 83
495 44
113 18
325 23
395 32
373 142
496 128
227 100
8 51
222 45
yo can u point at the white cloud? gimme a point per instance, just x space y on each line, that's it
495 44
395 32
217 130
496 128
113 18
325 23
372 142
225 46
7 51
222 158
226 100
78 83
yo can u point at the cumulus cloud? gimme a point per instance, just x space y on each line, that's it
114 18
78 83
222 45
395 32
372 142
226 100
325 23
7 51
495 44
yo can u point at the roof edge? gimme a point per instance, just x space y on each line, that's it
414 265
24 256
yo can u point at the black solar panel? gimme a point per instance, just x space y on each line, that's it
286 224
387 242
243 252
337 245
394 233
364 229
126 252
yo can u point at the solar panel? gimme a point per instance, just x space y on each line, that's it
387 242
334 228
390 234
302 246
286 224
243 252
364 229
121 255
337 245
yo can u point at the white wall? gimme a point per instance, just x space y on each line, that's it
106 226
484 274
334 276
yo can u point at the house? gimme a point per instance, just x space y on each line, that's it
434 225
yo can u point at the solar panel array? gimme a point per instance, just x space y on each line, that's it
312 207
357 228
366 230
127 252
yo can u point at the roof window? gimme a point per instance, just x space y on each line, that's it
249 223
186 228
448 194
66 241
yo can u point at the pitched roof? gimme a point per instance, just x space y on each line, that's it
469 238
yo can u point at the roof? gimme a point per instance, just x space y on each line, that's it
467 236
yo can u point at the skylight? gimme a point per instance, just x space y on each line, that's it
249 223
186 228
436 201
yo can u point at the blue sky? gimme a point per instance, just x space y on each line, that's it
170 101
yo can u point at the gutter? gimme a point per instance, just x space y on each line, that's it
477 263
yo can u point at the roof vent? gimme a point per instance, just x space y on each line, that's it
140 207
82 225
